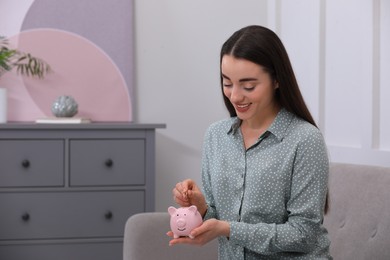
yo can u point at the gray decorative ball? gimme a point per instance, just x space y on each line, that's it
64 106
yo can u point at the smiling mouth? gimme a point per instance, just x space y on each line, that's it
181 229
242 107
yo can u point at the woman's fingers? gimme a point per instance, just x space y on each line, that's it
181 189
180 193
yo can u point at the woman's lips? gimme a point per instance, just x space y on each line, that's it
242 107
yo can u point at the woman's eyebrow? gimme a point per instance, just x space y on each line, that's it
247 79
241 80
225 77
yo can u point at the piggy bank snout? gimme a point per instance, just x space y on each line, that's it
181 222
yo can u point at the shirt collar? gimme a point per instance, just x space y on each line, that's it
278 127
281 123
236 122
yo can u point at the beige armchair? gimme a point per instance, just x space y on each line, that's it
358 221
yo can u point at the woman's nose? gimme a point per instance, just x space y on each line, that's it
235 94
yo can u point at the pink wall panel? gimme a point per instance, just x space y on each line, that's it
89 45
81 70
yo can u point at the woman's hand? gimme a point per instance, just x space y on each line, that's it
209 230
187 193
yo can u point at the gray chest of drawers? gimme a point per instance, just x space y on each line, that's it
66 191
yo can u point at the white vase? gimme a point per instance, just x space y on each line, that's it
3 105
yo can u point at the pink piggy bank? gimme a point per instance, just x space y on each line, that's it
184 220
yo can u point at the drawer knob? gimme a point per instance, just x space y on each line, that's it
108 215
26 217
26 163
109 163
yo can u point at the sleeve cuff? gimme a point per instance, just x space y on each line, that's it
210 213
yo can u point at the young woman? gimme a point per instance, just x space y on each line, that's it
264 169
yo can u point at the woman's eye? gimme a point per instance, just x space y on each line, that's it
249 88
227 85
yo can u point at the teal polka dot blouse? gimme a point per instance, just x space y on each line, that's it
272 194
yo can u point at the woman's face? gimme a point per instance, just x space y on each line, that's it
249 88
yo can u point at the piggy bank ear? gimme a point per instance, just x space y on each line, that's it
172 210
193 209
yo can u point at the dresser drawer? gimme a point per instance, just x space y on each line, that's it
34 163
57 215
107 162
63 251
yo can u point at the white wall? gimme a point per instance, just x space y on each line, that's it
177 77
12 18
339 50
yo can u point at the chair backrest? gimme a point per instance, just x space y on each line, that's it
358 219
145 239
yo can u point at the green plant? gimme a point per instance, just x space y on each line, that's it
25 63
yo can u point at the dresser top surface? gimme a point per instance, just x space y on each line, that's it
97 125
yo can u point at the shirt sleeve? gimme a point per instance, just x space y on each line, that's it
305 206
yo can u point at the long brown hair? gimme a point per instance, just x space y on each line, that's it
262 46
